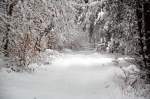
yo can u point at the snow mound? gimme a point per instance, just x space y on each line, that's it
44 59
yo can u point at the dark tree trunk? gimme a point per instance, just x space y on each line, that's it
9 12
86 1
143 17
139 12
91 32
146 7
6 40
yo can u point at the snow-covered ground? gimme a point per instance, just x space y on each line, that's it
82 75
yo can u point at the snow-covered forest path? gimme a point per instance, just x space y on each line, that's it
71 76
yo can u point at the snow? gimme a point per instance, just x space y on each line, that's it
82 75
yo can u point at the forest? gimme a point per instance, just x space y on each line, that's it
113 28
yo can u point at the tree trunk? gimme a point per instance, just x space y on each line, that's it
9 12
146 7
139 12
143 15
6 42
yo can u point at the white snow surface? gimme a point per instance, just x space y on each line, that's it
82 75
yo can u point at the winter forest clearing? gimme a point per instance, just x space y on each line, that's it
74 49
71 76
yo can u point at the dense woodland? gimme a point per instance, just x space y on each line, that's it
28 27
